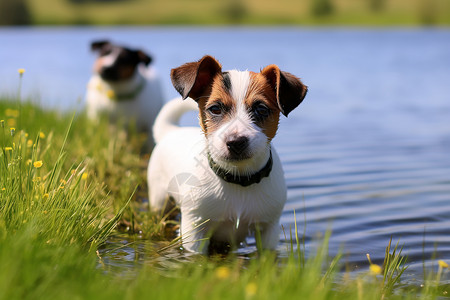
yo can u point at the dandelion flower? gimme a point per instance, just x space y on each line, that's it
37 164
8 148
251 289
111 94
12 113
41 135
11 122
375 269
222 272
442 264
84 176
13 130
3 189
21 71
29 143
62 184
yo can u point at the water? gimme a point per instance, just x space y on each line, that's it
367 155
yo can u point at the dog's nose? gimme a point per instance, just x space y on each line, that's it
108 73
237 145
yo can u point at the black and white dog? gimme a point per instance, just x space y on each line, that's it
124 85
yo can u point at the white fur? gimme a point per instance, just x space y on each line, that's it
108 60
143 108
179 168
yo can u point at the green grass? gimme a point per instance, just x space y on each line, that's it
65 187
250 12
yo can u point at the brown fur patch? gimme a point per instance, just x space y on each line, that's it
260 90
126 72
218 95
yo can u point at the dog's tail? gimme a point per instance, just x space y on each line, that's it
169 117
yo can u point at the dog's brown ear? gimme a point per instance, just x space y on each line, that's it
194 79
97 45
289 90
144 57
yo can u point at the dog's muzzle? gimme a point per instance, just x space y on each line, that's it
237 147
109 73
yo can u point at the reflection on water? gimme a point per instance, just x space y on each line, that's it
365 155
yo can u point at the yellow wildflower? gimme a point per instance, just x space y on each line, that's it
11 113
13 130
84 176
11 122
41 135
21 71
375 269
45 196
8 148
38 164
63 184
442 264
222 272
3 189
251 289
110 94
29 143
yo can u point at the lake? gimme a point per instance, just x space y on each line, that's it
366 155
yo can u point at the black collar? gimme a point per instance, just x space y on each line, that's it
244 180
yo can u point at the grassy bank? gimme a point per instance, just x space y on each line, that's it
65 187
253 12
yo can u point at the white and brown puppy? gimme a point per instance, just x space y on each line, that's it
226 177
124 85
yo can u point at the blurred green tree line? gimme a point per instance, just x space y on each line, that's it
20 12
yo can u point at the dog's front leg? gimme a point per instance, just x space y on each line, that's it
194 231
269 235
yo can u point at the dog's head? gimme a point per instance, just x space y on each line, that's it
116 63
239 111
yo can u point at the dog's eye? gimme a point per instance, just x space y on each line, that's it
215 110
105 52
260 110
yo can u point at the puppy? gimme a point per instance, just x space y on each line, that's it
124 85
227 177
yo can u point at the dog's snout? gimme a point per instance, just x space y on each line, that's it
237 145
109 73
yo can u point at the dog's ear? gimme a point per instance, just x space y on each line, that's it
144 57
97 45
194 79
289 90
